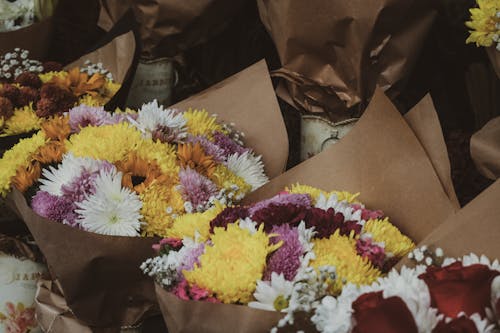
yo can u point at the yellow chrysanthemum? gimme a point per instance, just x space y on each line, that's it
315 193
231 267
188 224
109 142
159 203
126 111
17 156
111 88
46 77
89 100
395 242
484 22
23 121
201 123
340 252
163 154
225 178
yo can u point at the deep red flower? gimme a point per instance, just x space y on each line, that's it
457 325
46 108
326 222
227 216
29 79
27 95
11 92
6 108
279 214
373 252
456 288
375 314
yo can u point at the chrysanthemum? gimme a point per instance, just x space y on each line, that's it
80 187
26 176
83 115
108 142
187 225
50 153
57 128
139 173
286 259
24 120
89 100
201 123
227 216
70 168
315 193
168 125
161 203
209 147
163 154
193 156
46 77
485 23
195 188
55 208
272 295
228 145
233 264
248 167
111 210
17 156
395 242
228 180
340 252
283 199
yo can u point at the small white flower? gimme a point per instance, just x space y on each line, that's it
272 295
249 167
248 224
153 116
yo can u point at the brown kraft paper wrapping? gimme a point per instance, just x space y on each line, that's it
99 275
34 38
494 56
475 228
485 149
383 160
333 53
168 27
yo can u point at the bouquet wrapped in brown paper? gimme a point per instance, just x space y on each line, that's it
485 149
400 170
163 164
334 53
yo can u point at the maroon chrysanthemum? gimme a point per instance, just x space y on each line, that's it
52 66
11 92
27 95
46 107
29 79
326 222
279 214
227 216
6 108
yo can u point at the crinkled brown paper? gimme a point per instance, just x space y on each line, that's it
99 275
382 159
485 149
334 52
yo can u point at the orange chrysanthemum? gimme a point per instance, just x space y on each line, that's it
57 128
52 152
139 173
80 83
194 157
26 176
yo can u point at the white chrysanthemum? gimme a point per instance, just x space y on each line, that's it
305 236
248 224
111 210
152 116
69 168
343 207
272 295
249 167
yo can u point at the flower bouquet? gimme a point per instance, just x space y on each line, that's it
416 201
485 29
111 181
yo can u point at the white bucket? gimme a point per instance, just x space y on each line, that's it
318 133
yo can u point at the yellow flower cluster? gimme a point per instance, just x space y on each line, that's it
395 242
18 156
188 225
231 266
316 192
340 252
201 123
485 23
24 120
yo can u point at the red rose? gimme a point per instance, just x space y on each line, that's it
456 288
457 325
375 314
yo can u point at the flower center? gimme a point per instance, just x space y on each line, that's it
280 303
114 219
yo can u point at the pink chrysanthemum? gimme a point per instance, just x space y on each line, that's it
186 293
373 252
209 147
82 116
54 208
283 199
286 259
228 145
367 214
195 188
191 258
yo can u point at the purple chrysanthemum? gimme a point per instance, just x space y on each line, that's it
195 188
227 216
191 258
228 145
283 199
367 214
84 115
80 186
286 259
54 208
373 252
210 148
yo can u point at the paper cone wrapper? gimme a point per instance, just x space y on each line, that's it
383 160
485 149
99 275
35 38
494 56
333 53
